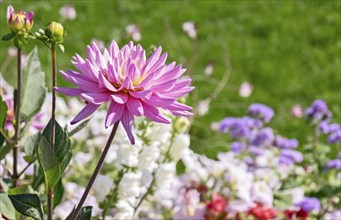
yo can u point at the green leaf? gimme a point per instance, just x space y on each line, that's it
30 159
48 163
33 87
58 193
6 208
20 190
62 149
79 127
4 150
3 113
61 47
28 205
2 140
8 36
38 176
31 144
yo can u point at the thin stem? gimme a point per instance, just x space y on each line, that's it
97 169
17 120
50 192
23 171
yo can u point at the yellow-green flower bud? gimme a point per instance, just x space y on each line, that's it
55 32
19 22
181 124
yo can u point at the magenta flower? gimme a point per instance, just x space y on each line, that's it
19 21
132 84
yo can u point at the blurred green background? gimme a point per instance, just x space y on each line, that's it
288 50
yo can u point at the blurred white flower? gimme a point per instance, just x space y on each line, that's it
102 187
128 154
262 193
130 185
297 194
245 89
297 111
165 174
333 215
209 69
148 157
82 158
180 144
190 29
215 126
203 107
133 31
12 52
68 12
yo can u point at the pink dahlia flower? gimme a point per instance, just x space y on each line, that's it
132 84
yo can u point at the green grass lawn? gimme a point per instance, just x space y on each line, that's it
288 50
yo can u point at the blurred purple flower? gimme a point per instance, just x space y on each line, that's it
289 156
257 151
245 89
324 127
68 12
297 111
318 111
132 84
285 143
309 204
133 31
261 111
237 147
335 137
264 137
334 164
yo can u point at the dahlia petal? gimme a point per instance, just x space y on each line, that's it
104 83
146 81
113 49
134 106
159 63
127 122
171 74
84 83
115 112
159 101
179 85
100 60
67 77
164 86
154 114
84 113
152 59
120 98
112 75
127 84
181 113
90 71
133 72
140 94
95 98
91 54
69 91
177 106
10 11
180 93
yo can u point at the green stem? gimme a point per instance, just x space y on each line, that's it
96 171
17 120
50 192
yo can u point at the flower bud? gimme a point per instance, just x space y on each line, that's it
55 32
19 22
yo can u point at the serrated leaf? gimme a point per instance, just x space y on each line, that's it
31 144
28 205
58 193
6 208
3 113
49 163
33 86
62 149
8 36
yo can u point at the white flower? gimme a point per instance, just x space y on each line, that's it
102 187
130 185
262 193
68 12
134 32
180 144
245 89
203 107
333 215
128 154
165 174
147 158
189 28
208 69
297 194
82 158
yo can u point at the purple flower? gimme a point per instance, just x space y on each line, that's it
257 151
318 111
309 204
285 143
289 156
237 147
132 84
261 111
20 21
265 137
334 164
335 137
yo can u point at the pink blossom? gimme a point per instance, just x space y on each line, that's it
245 89
68 12
190 29
134 32
130 83
297 111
